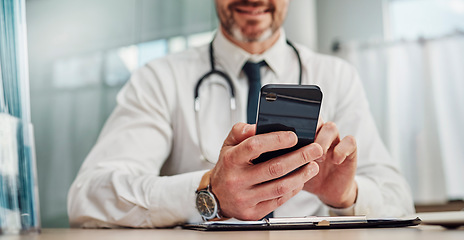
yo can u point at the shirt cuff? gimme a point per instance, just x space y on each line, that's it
172 200
349 211
196 217
369 199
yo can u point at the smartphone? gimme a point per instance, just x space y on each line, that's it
285 107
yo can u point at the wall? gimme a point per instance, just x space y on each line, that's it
300 25
348 20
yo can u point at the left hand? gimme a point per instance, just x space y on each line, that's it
334 184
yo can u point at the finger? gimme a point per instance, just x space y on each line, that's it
256 145
280 187
328 136
282 165
344 149
238 133
268 206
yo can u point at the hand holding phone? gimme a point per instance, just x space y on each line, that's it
284 107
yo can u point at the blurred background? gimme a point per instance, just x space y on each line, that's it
409 54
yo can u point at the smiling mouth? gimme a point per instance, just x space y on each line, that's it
252 11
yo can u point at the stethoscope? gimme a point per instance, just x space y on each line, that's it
230 86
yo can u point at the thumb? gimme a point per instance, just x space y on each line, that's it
240 132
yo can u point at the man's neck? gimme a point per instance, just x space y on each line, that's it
254 47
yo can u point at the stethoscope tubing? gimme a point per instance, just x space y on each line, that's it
231 89
229 80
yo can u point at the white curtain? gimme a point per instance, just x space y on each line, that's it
416 93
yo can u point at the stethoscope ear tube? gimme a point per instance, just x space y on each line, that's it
229 80
300 64
229 83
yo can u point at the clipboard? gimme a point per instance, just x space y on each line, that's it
304 223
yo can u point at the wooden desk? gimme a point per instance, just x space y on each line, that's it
409 233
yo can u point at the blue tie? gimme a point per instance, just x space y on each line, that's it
253 72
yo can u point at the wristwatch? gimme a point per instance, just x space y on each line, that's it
207 204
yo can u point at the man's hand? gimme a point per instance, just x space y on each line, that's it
249 192
334 184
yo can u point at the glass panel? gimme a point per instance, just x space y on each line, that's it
425 18
199 39
151 50
18 185
119 63
177 44
77 72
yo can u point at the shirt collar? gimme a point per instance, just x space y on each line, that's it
232 58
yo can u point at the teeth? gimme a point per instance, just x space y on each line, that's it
252 12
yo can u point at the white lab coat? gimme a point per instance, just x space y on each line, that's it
146 165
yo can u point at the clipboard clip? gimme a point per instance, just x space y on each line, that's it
323 223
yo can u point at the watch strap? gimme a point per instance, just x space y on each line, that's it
205 180
205 185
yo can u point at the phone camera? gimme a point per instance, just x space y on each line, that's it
271 97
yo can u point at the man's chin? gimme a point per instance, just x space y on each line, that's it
239 36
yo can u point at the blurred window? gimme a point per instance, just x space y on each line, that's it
118 64
198 39
425 18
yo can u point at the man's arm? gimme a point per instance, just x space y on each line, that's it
119 182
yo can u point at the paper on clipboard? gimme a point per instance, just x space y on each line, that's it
295 221
311 222
318 220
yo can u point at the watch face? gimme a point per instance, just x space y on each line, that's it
206 204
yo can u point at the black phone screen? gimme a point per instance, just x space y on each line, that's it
285 107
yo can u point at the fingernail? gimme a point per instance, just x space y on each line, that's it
315 151
292 134
314 168
247 128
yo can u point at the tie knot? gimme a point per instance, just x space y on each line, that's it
252 70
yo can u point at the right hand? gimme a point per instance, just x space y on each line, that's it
249 192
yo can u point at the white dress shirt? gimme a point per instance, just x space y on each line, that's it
147 163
